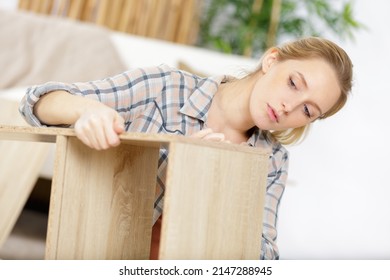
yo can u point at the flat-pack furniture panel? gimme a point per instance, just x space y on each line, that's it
213 203
102 202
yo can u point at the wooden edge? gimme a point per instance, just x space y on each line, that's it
49 134
56 196
34 134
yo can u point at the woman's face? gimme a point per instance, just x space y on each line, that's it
292 93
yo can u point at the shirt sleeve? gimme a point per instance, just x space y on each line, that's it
120 92
275 187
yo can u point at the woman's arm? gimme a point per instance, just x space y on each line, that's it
61 108
102 104
96 124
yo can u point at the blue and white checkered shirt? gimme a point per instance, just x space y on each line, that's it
167 100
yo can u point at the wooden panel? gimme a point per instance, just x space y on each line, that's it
102 202
56 197
20 166
213 203
49 134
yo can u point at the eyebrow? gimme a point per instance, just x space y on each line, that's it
318 108
302 78
305 84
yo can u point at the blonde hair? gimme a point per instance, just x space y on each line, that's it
314 47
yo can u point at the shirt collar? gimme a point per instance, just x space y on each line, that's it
198 104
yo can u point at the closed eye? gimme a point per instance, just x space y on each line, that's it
306 111
291 83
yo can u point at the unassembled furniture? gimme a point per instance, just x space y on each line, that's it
101 203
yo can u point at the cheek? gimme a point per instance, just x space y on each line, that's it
261 90
297 119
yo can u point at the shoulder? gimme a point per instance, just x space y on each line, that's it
150 72
163 70
172 76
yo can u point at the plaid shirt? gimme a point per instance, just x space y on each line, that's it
166 100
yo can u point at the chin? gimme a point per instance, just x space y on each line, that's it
264 126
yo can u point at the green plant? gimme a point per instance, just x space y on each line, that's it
248 27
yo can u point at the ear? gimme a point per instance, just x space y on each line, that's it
269 58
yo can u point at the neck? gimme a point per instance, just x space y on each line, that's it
229 111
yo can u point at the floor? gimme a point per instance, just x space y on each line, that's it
27 240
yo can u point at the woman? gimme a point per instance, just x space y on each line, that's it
293 86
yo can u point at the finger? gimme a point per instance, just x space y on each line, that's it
97 133
202 133
84 139
114 129
90 131
94 141
119 124
82 136
215 137
111 134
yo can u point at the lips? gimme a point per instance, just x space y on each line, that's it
272 113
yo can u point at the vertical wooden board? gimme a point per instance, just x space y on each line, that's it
56 198
106 202
213 203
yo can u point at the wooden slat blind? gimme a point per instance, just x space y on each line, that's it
171 20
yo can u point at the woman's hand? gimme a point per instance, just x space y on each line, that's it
96 125
208 134
99 127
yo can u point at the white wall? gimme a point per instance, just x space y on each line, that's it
337 203
8 4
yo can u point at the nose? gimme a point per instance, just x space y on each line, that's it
286 107
290 105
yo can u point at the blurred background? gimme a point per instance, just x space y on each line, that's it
337 201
